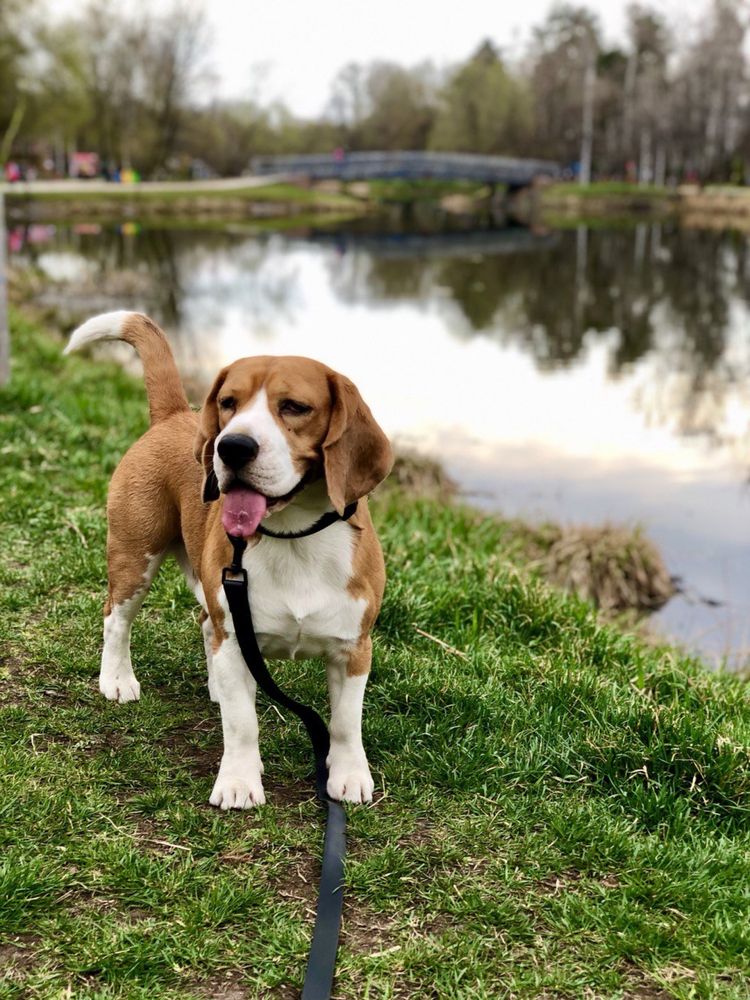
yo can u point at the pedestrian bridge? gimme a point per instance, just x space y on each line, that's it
408 165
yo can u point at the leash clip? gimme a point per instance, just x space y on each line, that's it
229 573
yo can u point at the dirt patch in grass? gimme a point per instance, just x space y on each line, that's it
222 988
229 986
19 954
285 991
644 990
647 993
422 835
299 880
567 881
290 796
365 932
12 690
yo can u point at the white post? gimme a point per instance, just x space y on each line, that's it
4 329
587 122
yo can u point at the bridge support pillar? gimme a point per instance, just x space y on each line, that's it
519 202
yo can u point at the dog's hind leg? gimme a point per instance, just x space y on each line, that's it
180 554
128 586
208 640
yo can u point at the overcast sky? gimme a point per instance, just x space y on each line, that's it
298 45
304 42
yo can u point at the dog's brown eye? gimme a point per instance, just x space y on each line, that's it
294 409
227 403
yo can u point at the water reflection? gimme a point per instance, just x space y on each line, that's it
581 374
679 294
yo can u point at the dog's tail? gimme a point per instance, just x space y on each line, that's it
163 383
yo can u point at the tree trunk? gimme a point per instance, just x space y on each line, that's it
660 165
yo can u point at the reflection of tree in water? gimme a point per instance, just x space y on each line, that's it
252 275
358 276
184 278
140 268
667 292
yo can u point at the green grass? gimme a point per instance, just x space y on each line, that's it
399 190
287 204
564 813
598 189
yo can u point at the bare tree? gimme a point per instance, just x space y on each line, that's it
565 50
173 65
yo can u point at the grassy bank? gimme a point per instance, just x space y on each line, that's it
558 204
144 202
611 200
713 206
560 812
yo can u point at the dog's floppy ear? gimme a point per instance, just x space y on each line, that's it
203 447
356 453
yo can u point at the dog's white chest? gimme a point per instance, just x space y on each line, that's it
298 594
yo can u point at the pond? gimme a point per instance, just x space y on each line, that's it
579 375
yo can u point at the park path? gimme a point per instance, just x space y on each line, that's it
74 187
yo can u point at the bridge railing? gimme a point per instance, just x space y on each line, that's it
408 164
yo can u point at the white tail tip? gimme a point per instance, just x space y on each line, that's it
106 326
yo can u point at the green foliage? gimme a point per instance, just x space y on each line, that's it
383 106
13 50
424 190
483 108
560 811
661 105
598 188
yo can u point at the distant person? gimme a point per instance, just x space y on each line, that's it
339 154
12 172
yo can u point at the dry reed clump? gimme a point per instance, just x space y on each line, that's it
615 568
422 477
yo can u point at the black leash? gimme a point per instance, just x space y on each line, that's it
321 961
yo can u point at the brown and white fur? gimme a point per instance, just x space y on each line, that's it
316 596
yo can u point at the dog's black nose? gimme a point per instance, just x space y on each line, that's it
236 450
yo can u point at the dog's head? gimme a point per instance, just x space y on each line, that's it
270 423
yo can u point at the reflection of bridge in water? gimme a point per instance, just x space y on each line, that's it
403 246
409 165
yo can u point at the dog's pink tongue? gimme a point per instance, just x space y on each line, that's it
243 510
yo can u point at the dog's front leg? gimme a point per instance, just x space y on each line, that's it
349 773
238 784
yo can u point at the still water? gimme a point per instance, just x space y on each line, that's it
580 375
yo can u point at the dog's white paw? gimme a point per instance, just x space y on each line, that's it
122 686
349 776
238 791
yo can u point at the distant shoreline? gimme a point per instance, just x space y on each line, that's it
230 199
256 198
713 206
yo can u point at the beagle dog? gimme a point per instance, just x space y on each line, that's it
280 440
